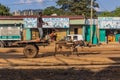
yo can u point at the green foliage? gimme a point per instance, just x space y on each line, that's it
106 14
4 10
115 13
77 7
52 10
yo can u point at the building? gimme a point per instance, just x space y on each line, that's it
91 32
10 28
77 25
63 25
109 29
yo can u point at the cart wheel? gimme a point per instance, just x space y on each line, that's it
30 51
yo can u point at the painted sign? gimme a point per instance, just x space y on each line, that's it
109 22
10 33
30 22
56 22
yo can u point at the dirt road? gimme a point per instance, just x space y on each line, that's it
96 63
13 57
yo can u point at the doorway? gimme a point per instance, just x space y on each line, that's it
75 30
111 35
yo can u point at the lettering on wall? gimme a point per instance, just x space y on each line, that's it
109 22
56 22
30 22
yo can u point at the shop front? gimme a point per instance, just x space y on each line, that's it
91 31
10 28
30 30
57 24
60 25
109 28
77 25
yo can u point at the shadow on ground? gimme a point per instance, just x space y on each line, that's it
110 73
15 54
67 53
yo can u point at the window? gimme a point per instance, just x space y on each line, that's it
75 30
75 38
68 38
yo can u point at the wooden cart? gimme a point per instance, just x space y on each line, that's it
71 45
68 45
31 47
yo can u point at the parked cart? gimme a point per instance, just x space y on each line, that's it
31 47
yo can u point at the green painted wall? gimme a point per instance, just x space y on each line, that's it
117 37
76 22
94 37
67 31
15 37
102 35
88 34
28 34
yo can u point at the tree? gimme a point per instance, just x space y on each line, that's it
52 10
115 13
106 14
77 7
4 10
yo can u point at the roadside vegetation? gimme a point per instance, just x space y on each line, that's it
70 7
115 13
4 10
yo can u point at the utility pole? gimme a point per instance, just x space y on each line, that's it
91 22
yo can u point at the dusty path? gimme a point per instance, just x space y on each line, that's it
91 65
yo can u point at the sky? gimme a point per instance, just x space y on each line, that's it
14 5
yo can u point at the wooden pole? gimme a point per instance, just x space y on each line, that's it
91 14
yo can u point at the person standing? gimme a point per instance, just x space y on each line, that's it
40 22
